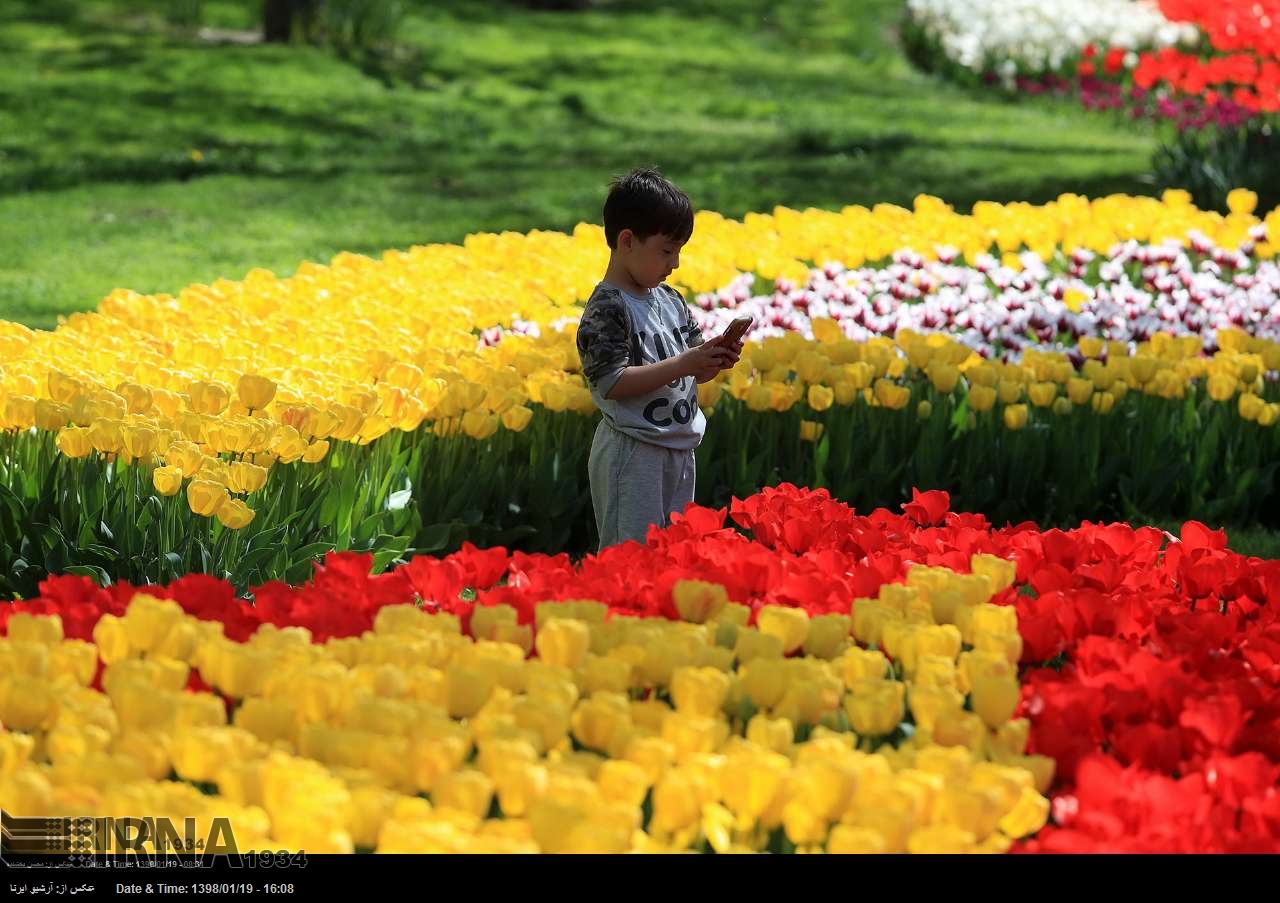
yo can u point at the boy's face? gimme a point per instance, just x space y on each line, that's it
650 261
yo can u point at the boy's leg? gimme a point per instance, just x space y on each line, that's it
626 486
678 480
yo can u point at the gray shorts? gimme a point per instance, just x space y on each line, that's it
635 484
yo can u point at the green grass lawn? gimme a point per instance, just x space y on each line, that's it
505 119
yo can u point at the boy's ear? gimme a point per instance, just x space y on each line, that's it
625 239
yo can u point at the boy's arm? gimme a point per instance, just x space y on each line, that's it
604 342
647 378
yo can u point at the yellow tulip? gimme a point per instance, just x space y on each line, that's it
1028 815
699 691
19 412
1009 391
995 698
167 480
827 635
1251 406
1015 416
64 388
943 376
846 839
246 478
208 397
1091 347
875 707
864 664
698 601
982 398
74 442
112 639
316 451
234 514
206 497
1075 299
139 442
106 435
820 397
255 392
811 430
138 398
891 396
1042 394
563 642
1242 201
1143 368
1079 390
999 571
600 722
51 416
790 625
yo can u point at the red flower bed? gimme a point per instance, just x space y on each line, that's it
1252 25
1238 78
1151 668
1164 717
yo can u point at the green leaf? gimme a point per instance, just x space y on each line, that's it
97 574
310 552
433 538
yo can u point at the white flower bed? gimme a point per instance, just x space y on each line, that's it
999 311
1032 36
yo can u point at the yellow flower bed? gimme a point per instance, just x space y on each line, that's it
222 381
618 734
783 371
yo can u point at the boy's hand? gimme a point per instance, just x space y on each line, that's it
704 361
734 347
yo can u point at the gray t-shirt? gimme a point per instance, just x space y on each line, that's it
621 330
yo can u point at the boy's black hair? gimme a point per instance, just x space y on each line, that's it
647 204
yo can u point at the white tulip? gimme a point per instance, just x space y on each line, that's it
1041 34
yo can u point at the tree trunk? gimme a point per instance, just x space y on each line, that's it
277 21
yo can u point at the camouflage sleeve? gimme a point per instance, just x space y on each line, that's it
604 342
693 333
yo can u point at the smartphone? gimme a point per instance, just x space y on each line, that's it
737 329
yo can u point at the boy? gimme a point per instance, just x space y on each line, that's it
643 357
